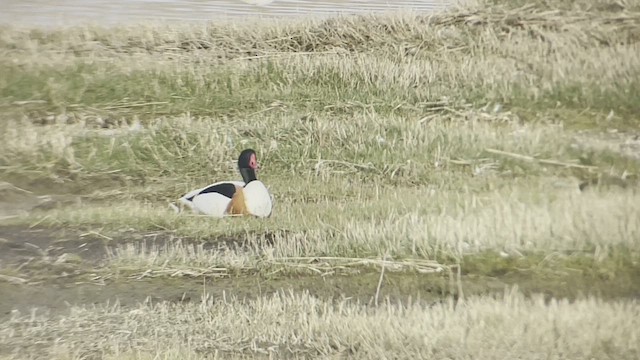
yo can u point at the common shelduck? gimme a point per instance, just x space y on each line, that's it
229 198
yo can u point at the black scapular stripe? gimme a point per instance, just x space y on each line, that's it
226 189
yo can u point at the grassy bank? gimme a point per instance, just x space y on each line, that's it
492 139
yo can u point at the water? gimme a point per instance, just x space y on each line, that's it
109 12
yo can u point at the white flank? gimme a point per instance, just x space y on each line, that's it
258 199
212 204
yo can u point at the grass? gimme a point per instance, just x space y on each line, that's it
495 139
511 56
299 325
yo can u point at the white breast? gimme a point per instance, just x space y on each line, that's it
258 199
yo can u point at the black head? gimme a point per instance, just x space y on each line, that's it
247 164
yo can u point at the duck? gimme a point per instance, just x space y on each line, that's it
249 197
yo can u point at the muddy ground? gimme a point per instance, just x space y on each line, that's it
51 269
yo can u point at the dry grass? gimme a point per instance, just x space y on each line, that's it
402 142
581 59
288 325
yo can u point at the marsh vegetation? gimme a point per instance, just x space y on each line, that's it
462 184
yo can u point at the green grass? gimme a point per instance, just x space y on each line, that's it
458 140
435 146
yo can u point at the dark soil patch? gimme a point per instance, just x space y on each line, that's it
19 243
